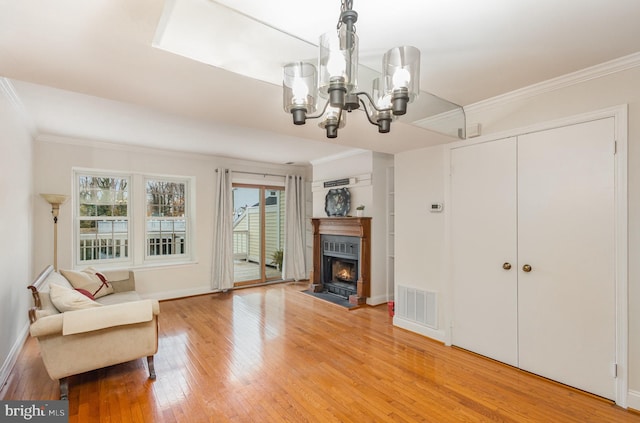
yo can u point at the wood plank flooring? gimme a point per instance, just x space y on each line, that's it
273 354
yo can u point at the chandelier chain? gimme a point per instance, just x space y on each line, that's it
345 6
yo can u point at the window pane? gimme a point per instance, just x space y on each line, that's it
166 235
104 225
246 235
88 210
165 198
104 239
102 196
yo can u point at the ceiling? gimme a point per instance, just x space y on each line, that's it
101 69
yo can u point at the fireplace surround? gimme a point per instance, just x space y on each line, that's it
342 257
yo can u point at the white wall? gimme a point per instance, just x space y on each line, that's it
419 180
55 158
16 199
419 233
344 167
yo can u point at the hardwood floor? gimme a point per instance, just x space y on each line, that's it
273 354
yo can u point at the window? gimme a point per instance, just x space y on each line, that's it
103 222
166 228
132 219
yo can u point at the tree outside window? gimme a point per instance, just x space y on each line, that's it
166 224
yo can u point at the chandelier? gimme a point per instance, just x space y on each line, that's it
337 81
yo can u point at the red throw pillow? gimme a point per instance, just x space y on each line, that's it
85 292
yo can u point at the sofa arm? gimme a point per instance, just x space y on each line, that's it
48 325
97 318
122 314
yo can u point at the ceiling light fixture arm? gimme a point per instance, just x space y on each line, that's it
321 113
384 116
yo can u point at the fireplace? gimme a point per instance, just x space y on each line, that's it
345 271
342 257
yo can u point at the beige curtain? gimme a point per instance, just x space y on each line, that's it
294 263
222 262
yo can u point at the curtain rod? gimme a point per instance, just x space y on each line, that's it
257 173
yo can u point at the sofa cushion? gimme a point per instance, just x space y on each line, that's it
119 297
58 279
65 299
46 306
89 279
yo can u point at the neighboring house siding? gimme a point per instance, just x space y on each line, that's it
282 206
253 215
247 232
273 222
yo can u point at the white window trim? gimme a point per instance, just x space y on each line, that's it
136 208
76 218
189 198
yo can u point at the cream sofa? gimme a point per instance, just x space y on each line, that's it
121 328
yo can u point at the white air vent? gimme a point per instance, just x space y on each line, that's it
418 306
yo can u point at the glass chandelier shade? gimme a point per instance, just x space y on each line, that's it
337 81
299 90
338 63
381 113
401 76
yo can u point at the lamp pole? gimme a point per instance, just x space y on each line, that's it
56 200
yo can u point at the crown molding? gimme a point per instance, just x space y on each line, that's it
583 75
9 92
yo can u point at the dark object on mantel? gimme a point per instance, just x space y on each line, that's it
337 202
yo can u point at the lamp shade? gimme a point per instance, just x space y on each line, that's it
55 199
338 61
299 87
401 71
381 100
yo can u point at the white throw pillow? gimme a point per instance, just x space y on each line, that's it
89 279
65 299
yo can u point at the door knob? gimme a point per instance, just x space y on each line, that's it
526 268
506 266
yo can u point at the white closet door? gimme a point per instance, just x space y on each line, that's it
483 237
566 302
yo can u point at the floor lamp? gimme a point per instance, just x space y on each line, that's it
56 200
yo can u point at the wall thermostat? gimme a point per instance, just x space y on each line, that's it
435 207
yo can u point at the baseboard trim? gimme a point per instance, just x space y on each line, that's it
633 400
8 364
377 300
179 293
409 325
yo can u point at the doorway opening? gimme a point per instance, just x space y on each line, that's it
258 233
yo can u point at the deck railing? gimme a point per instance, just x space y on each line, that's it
240 245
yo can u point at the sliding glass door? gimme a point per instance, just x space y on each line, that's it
258 233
